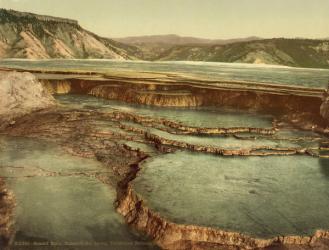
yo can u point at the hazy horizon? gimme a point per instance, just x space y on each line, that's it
211 19
231 38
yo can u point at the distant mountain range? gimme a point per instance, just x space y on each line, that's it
27 35
178 40
152 47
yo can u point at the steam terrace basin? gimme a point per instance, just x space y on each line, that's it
259 196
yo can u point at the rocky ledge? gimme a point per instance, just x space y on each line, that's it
7 203
21 93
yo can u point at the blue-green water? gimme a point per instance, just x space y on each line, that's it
55 203
259 196
196 117
213 71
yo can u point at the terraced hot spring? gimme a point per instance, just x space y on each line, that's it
258 196
58 197
195 117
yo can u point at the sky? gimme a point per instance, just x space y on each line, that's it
217 19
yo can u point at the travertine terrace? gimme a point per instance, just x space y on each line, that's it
81 132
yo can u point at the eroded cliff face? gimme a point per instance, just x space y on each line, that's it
21 93
32 36
148 97
190 96
57 87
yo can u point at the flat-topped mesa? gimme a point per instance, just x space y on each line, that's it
5 12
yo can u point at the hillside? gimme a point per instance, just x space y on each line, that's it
151 47
27 35
290 52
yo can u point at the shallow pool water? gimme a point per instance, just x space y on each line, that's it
195 117
55 202
259 196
